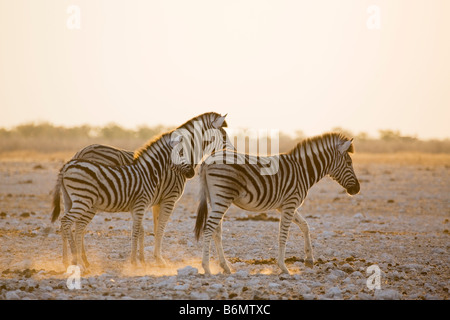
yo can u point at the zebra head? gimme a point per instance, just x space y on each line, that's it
179 163
342 167
203 135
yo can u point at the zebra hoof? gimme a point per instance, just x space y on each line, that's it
160 262
309 263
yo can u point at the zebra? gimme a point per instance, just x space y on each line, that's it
88 187
226 183
172 182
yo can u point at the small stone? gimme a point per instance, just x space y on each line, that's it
334 293
181 287
187 271
387 294
216 286
364 296
199 295
358 216
242 273
347 268
12 295
304 289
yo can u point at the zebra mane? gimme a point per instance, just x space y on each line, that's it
151 143
211 115
332 138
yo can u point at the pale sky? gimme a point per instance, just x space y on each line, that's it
288 65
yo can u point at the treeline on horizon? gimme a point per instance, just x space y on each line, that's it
46 137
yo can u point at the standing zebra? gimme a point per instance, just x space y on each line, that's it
223 184
172 182
88 187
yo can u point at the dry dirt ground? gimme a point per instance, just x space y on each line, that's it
399 222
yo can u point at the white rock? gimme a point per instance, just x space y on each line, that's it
364 296
12 295
45 296
216 286
46 288
387 294
347 280
31 283
358 216
331 277
304 289
199 295
351 287
334 293
315 284
328 234
339 273
181 287
273 285
242 273
187 271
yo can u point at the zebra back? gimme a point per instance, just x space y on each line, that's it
106 155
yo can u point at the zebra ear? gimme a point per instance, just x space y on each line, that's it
219 122
174 141
344 147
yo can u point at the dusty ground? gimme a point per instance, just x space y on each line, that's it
399 222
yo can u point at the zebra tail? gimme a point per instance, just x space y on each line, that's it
202 210
56 198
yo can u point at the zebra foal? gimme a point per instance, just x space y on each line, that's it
242 184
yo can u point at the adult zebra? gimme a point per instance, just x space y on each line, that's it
205 130
226 183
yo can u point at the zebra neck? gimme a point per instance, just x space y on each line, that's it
156 157
315 162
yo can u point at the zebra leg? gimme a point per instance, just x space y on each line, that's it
80 230
155 210
66 229
165 210
65 250
285 223
217 235
215 219
301 222
83 251
141 245
67 204
138 214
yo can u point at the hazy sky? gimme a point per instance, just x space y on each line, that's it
289 65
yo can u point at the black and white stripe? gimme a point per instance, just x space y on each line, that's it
117 189
106 155
243 184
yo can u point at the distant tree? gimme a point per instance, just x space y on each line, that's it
114 131
362 136
389 135
146 133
